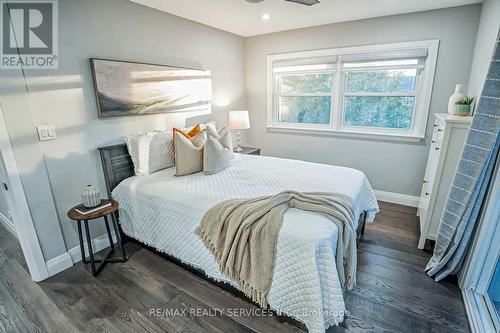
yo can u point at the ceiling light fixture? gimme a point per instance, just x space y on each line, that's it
305 2
266 16
302 2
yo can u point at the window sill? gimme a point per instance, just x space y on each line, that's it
346 133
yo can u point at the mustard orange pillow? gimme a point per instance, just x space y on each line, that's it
194 132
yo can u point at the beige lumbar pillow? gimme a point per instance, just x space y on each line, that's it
189 153
218 151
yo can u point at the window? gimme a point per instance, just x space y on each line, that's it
304 94
378 90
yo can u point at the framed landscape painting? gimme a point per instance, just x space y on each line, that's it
129 88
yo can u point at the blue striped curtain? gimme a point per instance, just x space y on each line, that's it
474 173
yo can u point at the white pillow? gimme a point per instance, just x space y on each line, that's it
189 153
218 152
211 125
151 151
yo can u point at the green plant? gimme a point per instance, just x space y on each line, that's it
465 101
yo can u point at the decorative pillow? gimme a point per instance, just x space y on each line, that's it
211 130
192 132
151 151
218 152
189 153
211 126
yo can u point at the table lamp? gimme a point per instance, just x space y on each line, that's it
238 120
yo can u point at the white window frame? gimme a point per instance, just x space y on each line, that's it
277 93
424 84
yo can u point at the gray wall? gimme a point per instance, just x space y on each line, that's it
20 121
485 42
390 166
54 172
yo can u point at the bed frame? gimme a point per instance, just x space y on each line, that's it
117 166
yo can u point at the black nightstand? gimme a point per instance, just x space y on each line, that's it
249 151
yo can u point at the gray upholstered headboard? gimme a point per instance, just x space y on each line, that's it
117 165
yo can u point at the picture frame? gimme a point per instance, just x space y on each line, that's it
127 88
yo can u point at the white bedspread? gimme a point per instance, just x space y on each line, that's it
162 211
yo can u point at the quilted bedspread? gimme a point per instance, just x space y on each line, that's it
162 211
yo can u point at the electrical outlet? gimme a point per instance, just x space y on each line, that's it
46 132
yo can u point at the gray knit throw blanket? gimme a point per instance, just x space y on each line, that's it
242 235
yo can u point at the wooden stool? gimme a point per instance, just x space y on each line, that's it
79 218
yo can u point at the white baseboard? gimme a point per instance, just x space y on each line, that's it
397 198
8 224
99 243
67 259
59 263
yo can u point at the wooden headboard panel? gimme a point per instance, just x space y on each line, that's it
117 165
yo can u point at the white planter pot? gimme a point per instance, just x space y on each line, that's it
458 95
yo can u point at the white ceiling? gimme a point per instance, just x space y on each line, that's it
245 19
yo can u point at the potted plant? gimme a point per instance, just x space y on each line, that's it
462 107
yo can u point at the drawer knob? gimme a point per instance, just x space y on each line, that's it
427 193
439 130
433 141
437 148
425 181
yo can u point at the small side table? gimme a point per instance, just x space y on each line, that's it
79 218
249 151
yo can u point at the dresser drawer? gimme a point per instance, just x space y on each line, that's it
432 165
438 131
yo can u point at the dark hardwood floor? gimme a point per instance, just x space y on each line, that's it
151 294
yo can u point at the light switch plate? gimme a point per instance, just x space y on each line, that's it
46 132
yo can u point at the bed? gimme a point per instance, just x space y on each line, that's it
162 211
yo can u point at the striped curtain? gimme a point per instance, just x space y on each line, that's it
471 180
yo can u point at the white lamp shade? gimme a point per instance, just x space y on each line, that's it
239 120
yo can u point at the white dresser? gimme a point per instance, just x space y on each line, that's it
448 139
